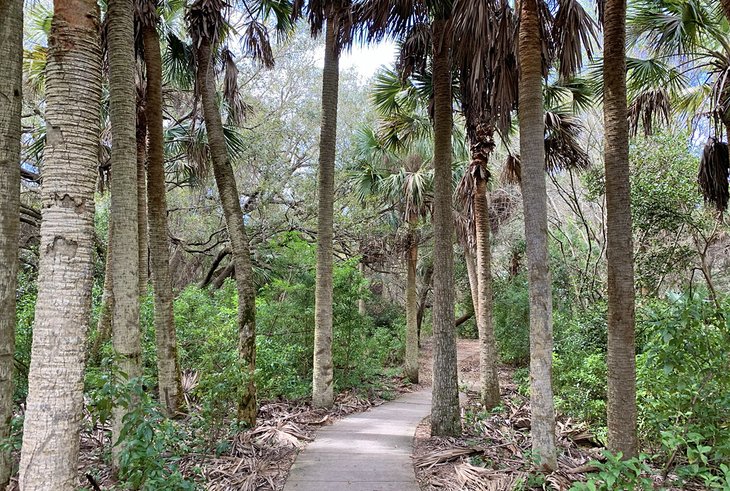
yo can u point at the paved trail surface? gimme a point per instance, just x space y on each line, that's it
370 451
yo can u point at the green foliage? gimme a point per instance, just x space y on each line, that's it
150 445
617 473
684 383
512 319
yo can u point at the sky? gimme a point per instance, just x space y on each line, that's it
365 59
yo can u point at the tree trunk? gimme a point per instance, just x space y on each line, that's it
126 338
230 200
422 298
322 383
411 362
445 416
487 344
104 324
534 195
726 8
471 273
141 137
621 359
168 368
11 98
361 308
53 415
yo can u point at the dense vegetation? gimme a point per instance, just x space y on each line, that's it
202 213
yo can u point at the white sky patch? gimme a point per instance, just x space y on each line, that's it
366 60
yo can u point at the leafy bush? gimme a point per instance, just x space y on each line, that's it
616 474
512 319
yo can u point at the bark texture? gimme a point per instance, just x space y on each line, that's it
104 324
411 361
621 359
471 273
488 376
168 368
230 200
534 195
726 8
11 98
53 414
445 415
322 380
142 197
125 266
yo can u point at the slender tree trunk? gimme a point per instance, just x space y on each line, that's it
423 297
487 344
322 383
471 273
168 369
53 415
11 98
230 200
445 416
142 199
361 309
621 358
534 195
126 338
104 324
411 365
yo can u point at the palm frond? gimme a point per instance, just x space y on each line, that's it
713 174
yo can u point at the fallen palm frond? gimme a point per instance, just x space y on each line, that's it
443 456
482 479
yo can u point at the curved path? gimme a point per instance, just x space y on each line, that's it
370 451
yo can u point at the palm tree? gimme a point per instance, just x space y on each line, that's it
54 404
621 358
208 27
534 193
332 17
168 369
126 336
11 99
407 185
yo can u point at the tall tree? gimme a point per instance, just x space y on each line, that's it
621 359
206 22
534 195
168 369
53 415
445 415
11 99
322 383
126 338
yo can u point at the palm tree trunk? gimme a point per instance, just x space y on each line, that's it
168 369
621 357
322 383
534 195
53 415
487 343
11 98
411 362
230 201
141 137
445 416
471 273
422 298
126 338
104 324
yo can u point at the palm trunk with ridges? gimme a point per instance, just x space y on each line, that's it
104 324
726 8
11 98
126 338
621 359
168 369
445 414
53 416
411 362
471 274
322 380
142 200
534 195
488 377
230 201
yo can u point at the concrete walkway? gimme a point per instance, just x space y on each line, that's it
370 451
